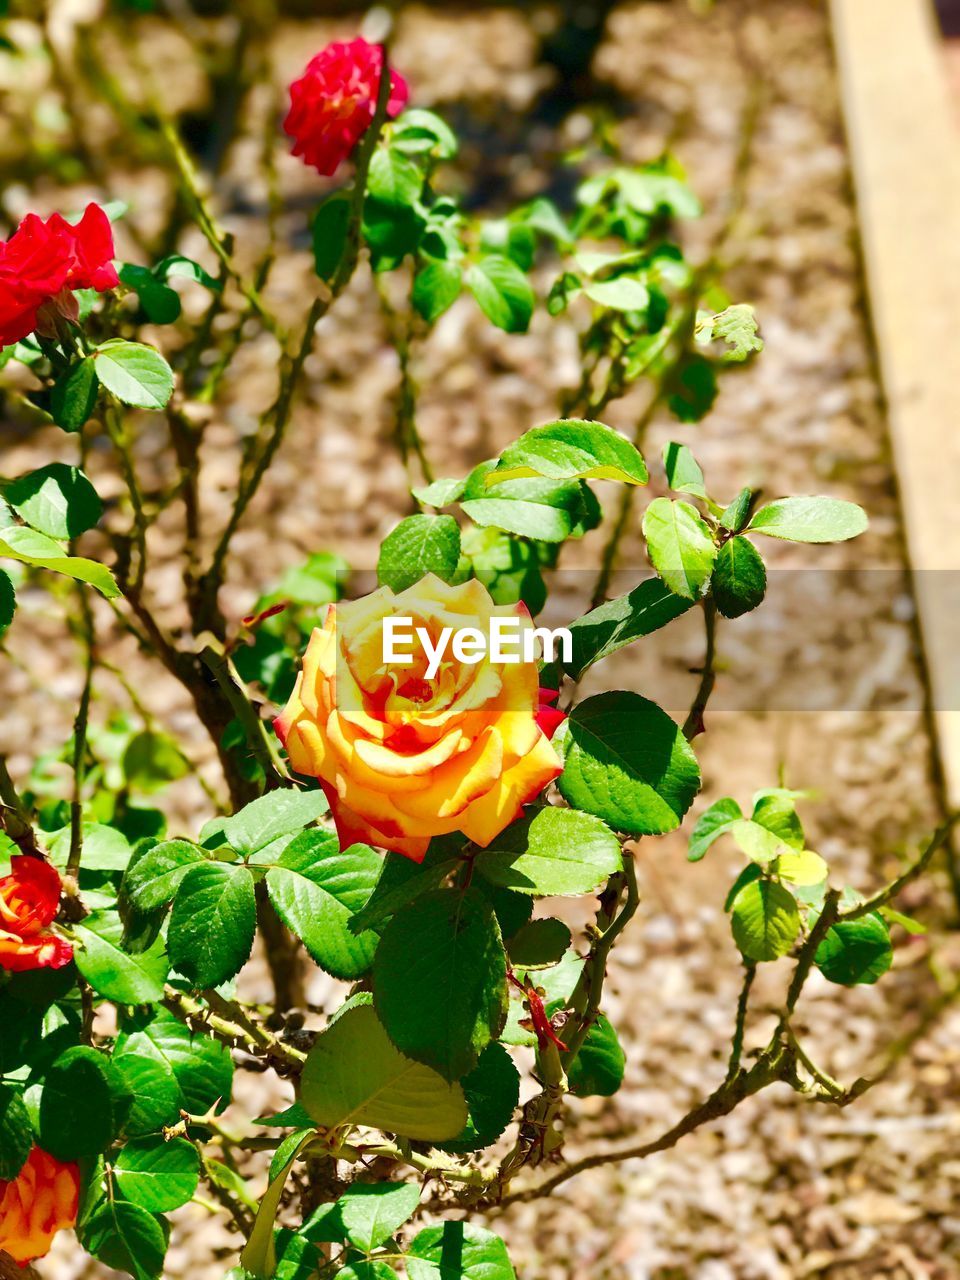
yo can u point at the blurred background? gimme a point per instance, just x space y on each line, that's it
824 690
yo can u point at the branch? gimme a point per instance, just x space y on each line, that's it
916 868
16 818
693 725
279 415
80 740
252 1038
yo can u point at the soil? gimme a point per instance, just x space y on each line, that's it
821 688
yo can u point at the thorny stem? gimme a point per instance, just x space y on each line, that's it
595 970
246 1035
736 1048
16 819
693 725
80 739
213 233
279 415
408 436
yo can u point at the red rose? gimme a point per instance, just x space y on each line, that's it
29 898
333 102
43 257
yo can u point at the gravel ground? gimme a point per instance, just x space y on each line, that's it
821 686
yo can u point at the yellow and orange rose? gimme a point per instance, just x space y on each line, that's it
402 757
40 1201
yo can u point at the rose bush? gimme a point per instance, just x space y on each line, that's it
403 1090
402 757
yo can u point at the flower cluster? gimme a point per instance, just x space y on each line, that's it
40 1201
333 102
403 757
43 261
29 898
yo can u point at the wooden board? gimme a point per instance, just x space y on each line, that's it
903 127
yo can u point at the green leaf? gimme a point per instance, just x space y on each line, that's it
802 867
127 1238
394 179
735 516
622 293
152 760
571 449
509 567
627 762
765 920
597 1070
418 131
417 546
160 303
175 264
810 520
316 889
512 909
776 811
8 849
750 873
73 396
111 971
440 493
104 848
539 944
154 873
856 952
722 816
739 578
354 1075
212 923
683 470
681 546
83 1105
331 224
157 1174
156 1094
458 1251
370 1212
16 1132
33 548
531 508
439 980
258 824
401 880
436 288
503 292
136 374
619 622
8 600
693 389
492 1090
202 1066
736 327
555 852
259 1257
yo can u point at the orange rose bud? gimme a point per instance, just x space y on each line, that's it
402 755
29 899
40 1201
